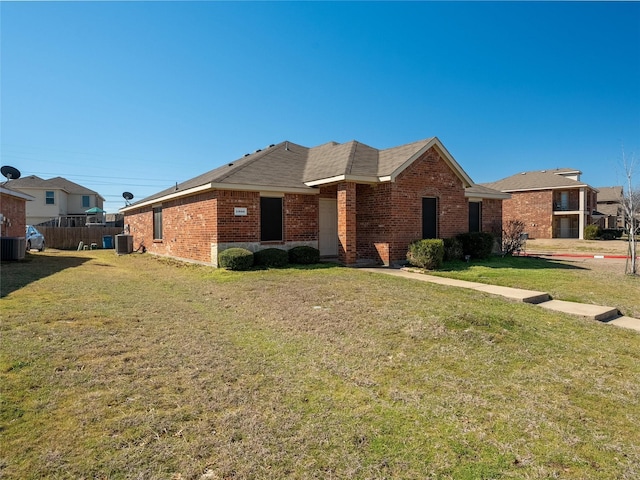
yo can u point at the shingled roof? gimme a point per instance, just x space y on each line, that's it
294 168
56 183
539 180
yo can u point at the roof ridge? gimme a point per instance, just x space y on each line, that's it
255 156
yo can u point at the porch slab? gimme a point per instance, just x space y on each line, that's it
594 312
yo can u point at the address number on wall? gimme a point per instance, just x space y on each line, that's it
240 211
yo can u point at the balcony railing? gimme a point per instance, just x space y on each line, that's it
566 207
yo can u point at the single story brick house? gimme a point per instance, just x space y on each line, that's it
552 203
349 200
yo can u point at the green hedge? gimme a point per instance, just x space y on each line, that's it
271 257
452 249
591 232
235 259
476 244
427 253
304 255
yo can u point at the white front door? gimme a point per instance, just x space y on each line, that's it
328 226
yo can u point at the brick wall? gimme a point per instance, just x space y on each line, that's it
535 209
191 225
15 212
389 215
429 176
492 216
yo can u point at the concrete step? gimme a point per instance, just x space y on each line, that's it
517 294
626 322
593 312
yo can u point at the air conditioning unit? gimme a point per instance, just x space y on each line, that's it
124 244
12 248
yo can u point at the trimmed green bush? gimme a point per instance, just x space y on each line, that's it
428 253
235 259
304 255
476 244
591 232
271 257
611 234
452 249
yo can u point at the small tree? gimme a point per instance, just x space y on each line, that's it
630 202
513 237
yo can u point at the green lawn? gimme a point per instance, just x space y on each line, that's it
137 367
599 282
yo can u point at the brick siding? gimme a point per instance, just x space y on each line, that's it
15 214
535 209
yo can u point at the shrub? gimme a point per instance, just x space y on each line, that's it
235 259
476 244
591 232
304 255
513 237
452 249
427 253
271 257
610 234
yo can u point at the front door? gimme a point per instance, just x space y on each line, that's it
328 226
429 217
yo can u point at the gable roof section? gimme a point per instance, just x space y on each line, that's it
537 180
288 167
56 183
5 190
609 194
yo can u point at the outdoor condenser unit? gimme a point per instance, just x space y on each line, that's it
12 248
124 244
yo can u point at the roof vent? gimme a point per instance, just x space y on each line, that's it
523 173
258 150
231 164
543 171
272 145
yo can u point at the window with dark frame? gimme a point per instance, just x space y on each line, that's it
475 216
271 219
157 223
49 197
85 201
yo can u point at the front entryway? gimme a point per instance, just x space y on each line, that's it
328 226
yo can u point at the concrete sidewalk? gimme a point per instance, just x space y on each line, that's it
541 299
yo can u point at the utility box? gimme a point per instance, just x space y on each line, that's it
12 248
124 244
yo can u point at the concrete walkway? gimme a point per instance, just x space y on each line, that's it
594 312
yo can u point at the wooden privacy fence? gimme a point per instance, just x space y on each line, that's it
68 238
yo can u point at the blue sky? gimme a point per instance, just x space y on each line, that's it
137 96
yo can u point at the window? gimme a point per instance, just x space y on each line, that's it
429 217
157 223
270 219
85 201
475 211
49 198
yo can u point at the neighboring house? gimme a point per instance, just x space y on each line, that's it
349 200
551 203
609 206
13 211
58 201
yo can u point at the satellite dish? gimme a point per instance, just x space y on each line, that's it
127 196
10 172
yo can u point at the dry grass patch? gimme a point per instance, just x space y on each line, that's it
137 367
